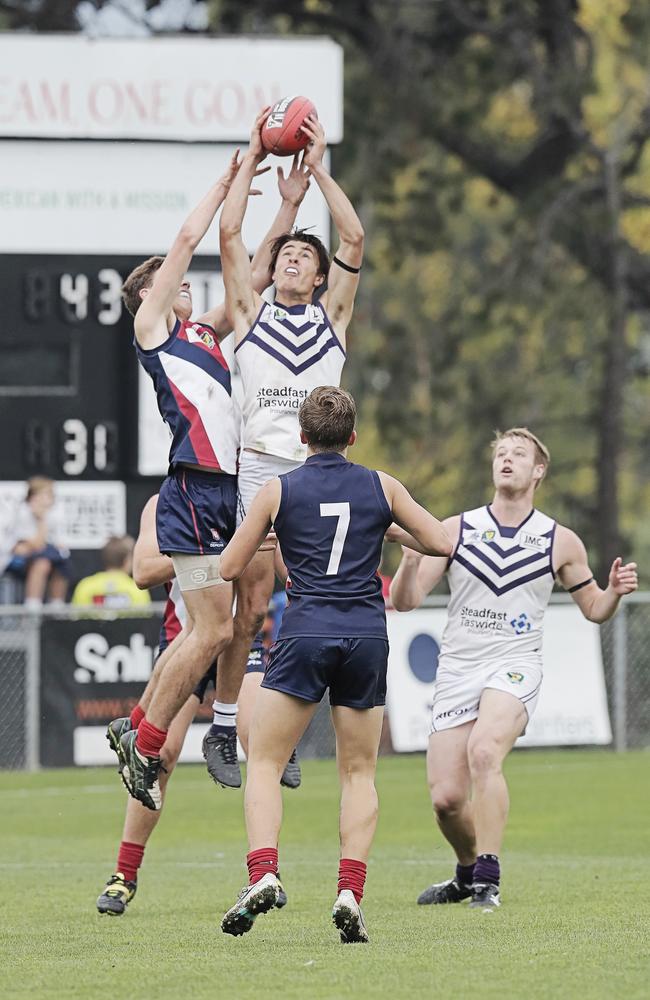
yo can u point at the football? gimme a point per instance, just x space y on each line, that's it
281 132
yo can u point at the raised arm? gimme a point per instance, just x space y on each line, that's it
343 280
417 575
251 532
150 567
293 189
596 604
242 301
152 318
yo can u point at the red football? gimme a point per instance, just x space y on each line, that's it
281 133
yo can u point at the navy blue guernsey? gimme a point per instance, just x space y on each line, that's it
330 525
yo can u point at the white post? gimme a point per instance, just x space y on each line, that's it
620 679
32 691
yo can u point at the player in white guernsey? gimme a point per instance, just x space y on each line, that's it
506 558
283 350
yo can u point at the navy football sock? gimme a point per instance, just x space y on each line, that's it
465 874
487 869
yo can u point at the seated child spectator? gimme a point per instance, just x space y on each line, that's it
37 552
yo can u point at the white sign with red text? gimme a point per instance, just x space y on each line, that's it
188 89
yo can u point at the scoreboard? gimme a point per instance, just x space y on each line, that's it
64 367
70 395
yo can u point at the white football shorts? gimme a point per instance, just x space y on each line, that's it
256 469
459 688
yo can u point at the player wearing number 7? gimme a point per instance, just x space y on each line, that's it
330 517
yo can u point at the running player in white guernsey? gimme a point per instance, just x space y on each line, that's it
284 349
501 574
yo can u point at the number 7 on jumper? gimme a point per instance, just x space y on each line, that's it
342 512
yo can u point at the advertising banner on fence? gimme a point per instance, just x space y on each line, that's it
572 709
94 671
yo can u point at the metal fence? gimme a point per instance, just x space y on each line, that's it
24 669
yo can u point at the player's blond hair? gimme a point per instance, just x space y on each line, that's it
139 278
542 454
327 417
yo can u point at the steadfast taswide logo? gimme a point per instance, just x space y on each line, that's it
100 663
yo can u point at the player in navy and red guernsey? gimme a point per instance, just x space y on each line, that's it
197 502
150 569
330 517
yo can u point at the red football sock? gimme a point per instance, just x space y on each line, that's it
137 715
261 862
129 860
352 875
150 739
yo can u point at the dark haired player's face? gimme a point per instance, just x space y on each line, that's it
296 271
183 301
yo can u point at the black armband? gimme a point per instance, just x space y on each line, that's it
579 586
346 267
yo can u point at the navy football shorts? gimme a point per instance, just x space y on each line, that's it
196 512
208 678
354 670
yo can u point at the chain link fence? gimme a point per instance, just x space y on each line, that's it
24 669
626 661
19 691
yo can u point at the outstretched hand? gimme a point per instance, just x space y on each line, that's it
623 579
294 186
255 146
231 172
313 155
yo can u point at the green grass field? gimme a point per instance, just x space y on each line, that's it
575 920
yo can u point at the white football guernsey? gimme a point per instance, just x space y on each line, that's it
288 351
500 580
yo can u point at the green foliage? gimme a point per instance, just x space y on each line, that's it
573 921
477 137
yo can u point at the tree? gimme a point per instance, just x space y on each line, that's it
500 161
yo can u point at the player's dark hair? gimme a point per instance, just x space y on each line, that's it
139 278
116 551
301 236
327 417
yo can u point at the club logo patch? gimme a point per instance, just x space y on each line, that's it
473 537
521 624
207 339
514 677
536 542
195 333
